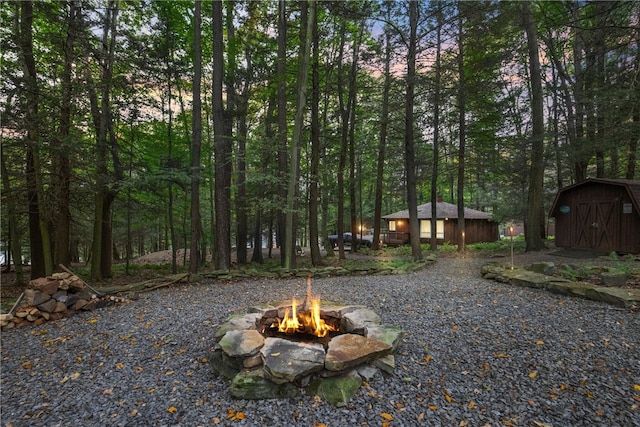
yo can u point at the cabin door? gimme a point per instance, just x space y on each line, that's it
596 225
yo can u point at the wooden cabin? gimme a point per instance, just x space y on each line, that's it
601 214
478 225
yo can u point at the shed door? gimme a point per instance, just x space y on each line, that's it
596 225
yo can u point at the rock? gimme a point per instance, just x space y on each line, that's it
60 307
387 334
242 343
338 390
29 294
286 361
60 295
252 361
614 278
545 268
368 372
79 304
235 323
617 296
361 318
49 306
38 283
40 298
219 367
349 350
253 385
386 364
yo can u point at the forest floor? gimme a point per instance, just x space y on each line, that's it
582 265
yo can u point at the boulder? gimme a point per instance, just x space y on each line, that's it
242 343
337 390
254 385
287 361
349 350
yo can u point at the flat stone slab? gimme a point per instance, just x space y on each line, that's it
287 361
242 343
612 295
236 323
349 350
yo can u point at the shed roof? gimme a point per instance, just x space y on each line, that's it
632 187
443 210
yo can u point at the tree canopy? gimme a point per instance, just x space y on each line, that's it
312 118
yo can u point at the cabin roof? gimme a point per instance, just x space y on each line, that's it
443 210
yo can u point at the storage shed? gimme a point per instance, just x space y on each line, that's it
478 225
601 214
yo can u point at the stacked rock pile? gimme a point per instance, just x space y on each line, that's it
52 298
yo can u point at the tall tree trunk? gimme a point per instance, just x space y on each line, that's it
283 162
196 141
462 112
382 144
306 20
222 148
344 123
61 248
436 133
101 252
351 106
535 205
314 196
409 143
41 258
14 234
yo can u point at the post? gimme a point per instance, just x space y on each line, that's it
511 236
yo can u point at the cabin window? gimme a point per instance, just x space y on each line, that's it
425 229
392 226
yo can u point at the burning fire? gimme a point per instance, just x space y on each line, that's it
307 320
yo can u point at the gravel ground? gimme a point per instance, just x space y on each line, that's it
477 353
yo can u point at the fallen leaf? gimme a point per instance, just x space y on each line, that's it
636 387
539 424
119 365
205 360
501 356
133 412
172 409
533 374
447 398
636 398
107 392
433 408
507 423
427 358
599 412
94 320
471 405
27 365
75 375
275 354
315 424
540 342
454 327
387 416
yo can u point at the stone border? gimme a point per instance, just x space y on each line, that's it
621 297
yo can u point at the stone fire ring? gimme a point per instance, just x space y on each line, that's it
262 367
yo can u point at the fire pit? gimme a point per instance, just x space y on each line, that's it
323 348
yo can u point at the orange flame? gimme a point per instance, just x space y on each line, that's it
307 320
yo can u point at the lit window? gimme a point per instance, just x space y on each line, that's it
425 229
392 226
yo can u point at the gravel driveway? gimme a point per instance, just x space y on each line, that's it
477 353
